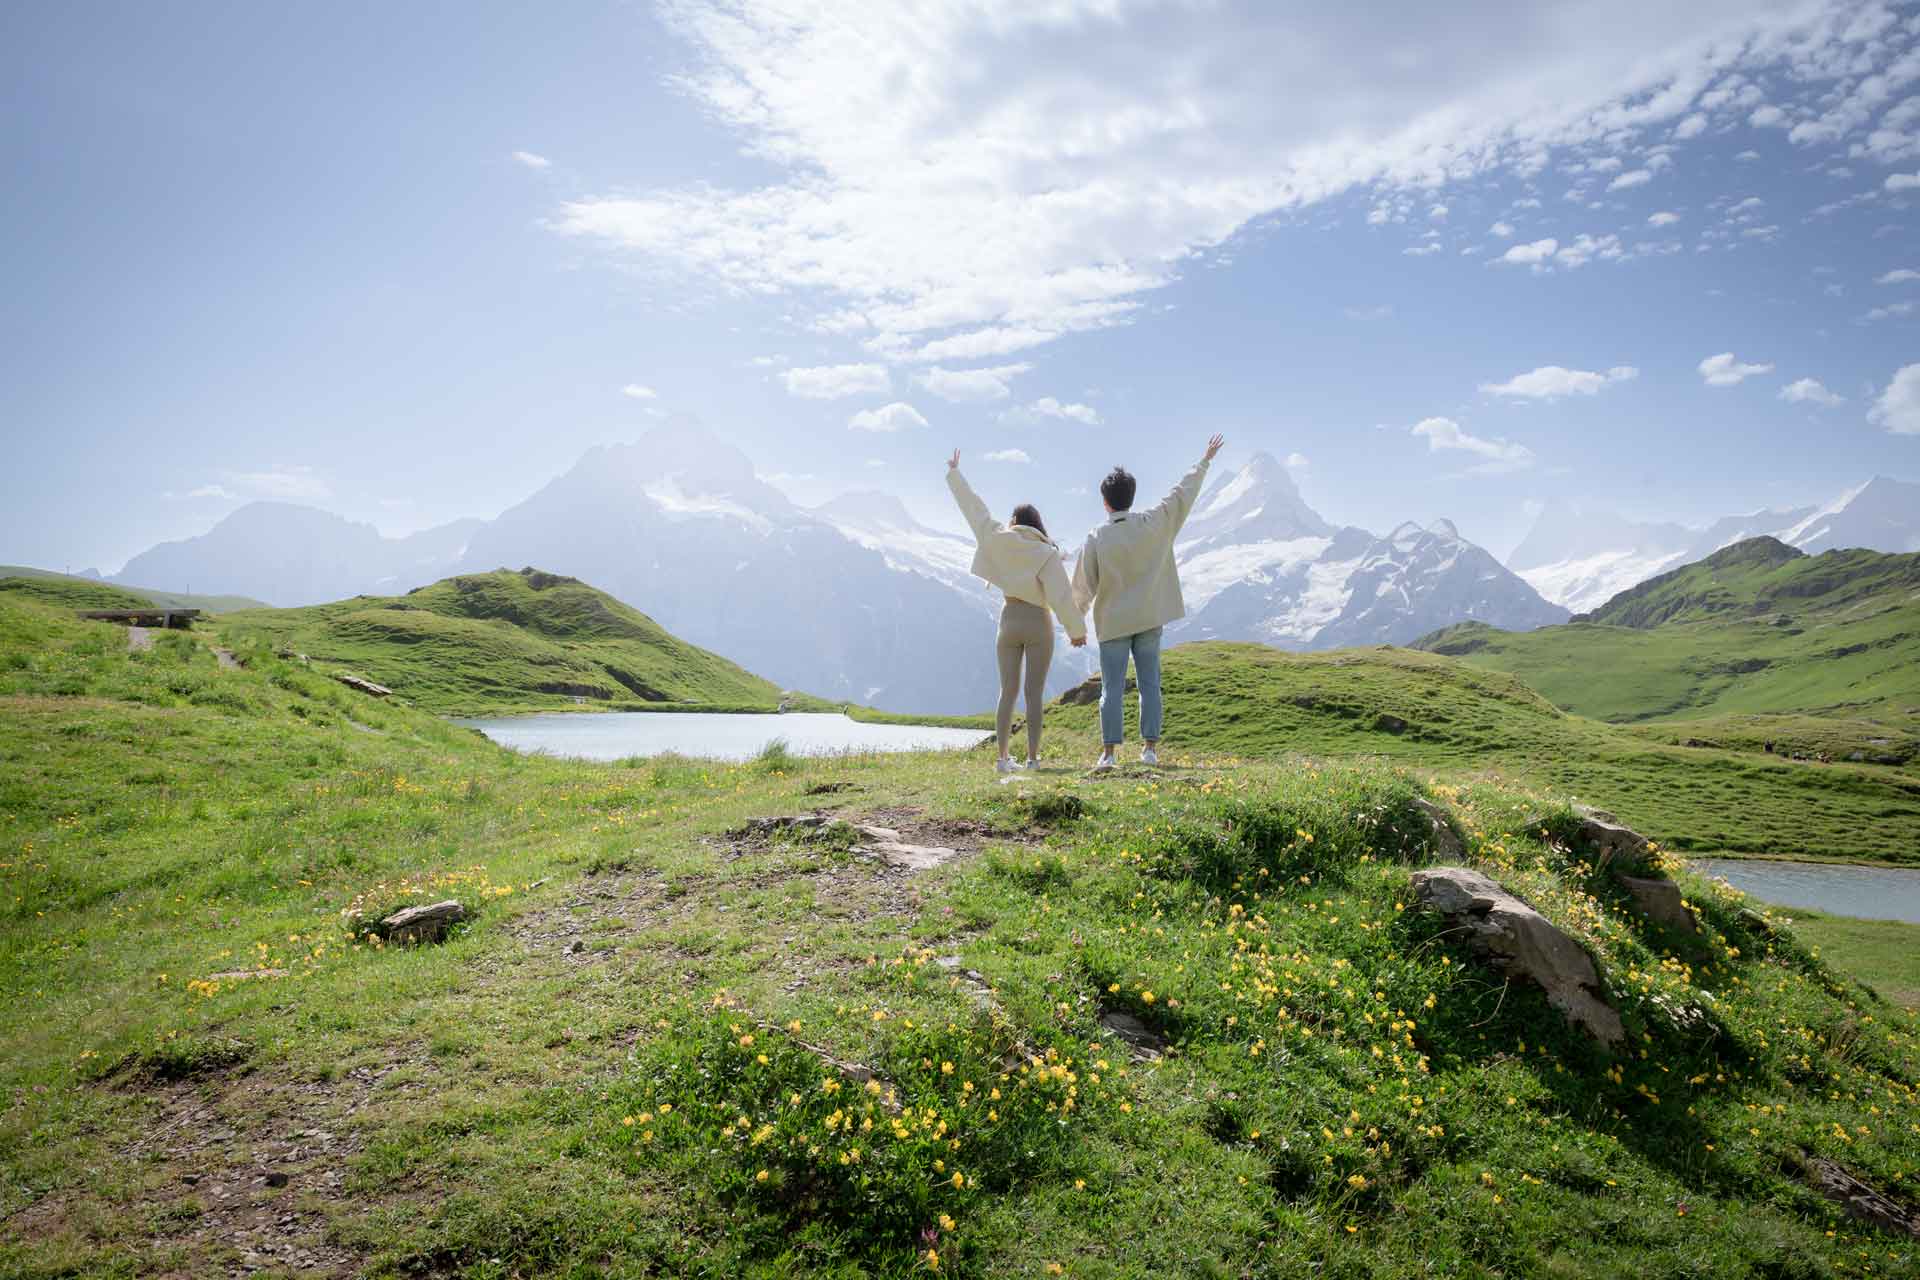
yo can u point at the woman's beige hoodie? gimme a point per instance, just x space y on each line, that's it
1022 562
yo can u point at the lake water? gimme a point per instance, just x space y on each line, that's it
1875 893
615 735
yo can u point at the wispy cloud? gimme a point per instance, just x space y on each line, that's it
898 416
1900 275
971 384
1007 455
836 381
1500 456
1048 407
935 215
1552 381
1898 408
1725 371
531 160
1810 391
639 391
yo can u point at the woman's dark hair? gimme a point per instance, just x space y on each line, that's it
1029 515
1117 489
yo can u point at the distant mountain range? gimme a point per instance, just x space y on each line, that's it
856 600
1581 557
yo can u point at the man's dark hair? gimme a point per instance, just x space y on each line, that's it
1118 489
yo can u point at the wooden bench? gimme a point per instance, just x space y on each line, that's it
174 619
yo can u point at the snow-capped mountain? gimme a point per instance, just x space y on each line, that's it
677 524
1581 557
882 523
287 554
1257 563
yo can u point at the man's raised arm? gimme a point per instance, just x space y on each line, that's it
1176 506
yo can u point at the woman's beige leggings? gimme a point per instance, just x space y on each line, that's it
1026 631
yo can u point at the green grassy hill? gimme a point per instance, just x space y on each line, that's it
1757 629
669 1045
1443 714
504 641
139 595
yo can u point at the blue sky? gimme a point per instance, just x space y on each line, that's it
407 262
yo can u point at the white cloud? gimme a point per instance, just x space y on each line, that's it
1747 157
949 214
1692 127
1898 408
971 384
1902 181
638 391
219 491
1551 381
1768 117
898 416
1527 202
1724 371
1664 218
1748 205
1421 251
833 381
1007 455
1383 311
1900 275
531 160
1809 391
767 362
1631 178
1889 312
1501 229
1297 462
1438 213
278 482
1500 455
1534 253
1049 407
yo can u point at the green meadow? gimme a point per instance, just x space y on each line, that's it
672 1042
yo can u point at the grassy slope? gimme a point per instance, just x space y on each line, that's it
1349 1094
504 641
1882 953
142 595
1467 722
1736 637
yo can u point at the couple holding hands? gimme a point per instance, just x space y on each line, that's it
1125 575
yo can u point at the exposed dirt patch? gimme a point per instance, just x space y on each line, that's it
139 639
236 1173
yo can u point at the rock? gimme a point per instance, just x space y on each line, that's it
1389 724
1757 922
276 1179
908 857
1860 1200
1523 943
1144 1042
577 946
1087 692
1446 841
783 822
363 685
422 924
1610 842
1659 900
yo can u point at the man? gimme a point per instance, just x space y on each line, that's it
1127 577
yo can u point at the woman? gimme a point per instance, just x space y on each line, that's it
1020 559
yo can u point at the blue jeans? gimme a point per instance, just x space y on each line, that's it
1144 648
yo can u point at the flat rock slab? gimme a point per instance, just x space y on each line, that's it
422 924
1523 943
1860 1200
1141 1040
907 857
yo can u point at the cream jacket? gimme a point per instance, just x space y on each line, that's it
1126 570
1020 561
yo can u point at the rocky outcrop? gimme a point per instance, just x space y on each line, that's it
1659 900
1446 841
1522 943
422 924
1611 844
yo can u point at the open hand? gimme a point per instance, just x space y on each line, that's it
1079 642
953 463
1213 447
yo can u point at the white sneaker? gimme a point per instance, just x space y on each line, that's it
1104 763
1033 763
1149 756
1005 765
